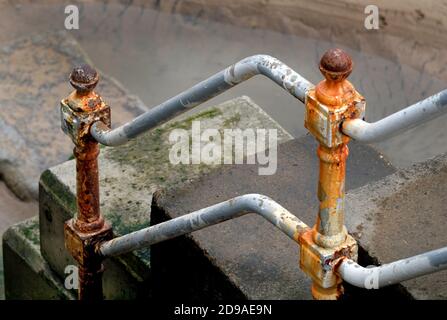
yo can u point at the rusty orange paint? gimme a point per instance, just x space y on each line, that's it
331 195
339 98
89 217
87 102
333 293
319 264
333 100
88 229
310 260
86 151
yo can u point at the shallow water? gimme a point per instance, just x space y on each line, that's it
157 55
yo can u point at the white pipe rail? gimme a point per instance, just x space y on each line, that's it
395 272
233 208
398 122
243 70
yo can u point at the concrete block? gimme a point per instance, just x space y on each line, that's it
27 275
128 176
401 216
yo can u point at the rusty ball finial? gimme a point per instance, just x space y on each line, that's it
336 65
84 78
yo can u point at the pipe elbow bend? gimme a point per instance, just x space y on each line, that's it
354 274
360 130
256 203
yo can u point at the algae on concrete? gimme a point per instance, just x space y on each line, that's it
27 274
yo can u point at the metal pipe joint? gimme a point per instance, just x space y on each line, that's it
333 100
320 264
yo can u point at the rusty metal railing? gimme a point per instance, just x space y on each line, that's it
334 112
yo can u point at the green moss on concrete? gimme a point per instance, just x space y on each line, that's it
58 189
232 121
153 147
27 274
125 227
186 124
30 230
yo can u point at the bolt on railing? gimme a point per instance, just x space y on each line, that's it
334 112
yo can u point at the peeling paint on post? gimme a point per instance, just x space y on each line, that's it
79 111
331 102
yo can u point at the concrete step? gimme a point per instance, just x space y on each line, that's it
28 275
33 79
12 211
128 177
401 216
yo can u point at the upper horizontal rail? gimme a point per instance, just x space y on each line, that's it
285 77
398 122
233 208
243 70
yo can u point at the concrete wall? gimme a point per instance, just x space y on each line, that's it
411 31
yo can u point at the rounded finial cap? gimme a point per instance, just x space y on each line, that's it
336 64
84 78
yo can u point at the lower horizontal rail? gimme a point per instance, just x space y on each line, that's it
395 272
233 208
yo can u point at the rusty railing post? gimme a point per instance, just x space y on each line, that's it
84 232
331 102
